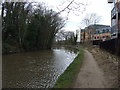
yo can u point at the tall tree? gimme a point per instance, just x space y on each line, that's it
14 22
32 26
43 28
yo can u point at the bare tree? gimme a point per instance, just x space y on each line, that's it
68 6
73 6
90 19
68 37
64 35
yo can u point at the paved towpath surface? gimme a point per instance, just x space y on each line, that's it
90 75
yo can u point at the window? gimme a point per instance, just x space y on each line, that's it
107 30
98 31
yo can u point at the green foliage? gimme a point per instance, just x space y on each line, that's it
73 39
66 79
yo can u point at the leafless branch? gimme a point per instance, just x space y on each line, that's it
73 6
92 18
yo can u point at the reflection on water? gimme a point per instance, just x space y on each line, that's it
35 69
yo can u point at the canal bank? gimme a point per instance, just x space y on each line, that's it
99 69
68 77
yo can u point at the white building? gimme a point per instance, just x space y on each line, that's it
78 36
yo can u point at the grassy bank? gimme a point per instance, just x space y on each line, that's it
66 79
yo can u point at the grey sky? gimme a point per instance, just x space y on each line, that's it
100 7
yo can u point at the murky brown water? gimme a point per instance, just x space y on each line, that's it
35 69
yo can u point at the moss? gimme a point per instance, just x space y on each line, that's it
66 79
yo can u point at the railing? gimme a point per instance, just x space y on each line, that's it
115 29
115 10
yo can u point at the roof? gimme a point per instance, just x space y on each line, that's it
97 26
103 30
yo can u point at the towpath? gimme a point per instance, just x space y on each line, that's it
90 75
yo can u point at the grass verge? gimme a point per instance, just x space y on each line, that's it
66 79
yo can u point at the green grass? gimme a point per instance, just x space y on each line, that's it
66 79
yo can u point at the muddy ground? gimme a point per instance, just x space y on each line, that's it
108 63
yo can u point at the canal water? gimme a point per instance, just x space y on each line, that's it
38 69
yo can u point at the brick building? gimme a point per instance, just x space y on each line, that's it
95 32
102 33
82 36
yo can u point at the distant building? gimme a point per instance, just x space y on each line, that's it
102 33
82 36
78 36
95 32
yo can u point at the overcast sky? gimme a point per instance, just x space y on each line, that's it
100 7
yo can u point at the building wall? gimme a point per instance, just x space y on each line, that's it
115 22
89 34
78 35
86 36
102 36
82 37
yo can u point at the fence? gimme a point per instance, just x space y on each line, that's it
109 45
96 42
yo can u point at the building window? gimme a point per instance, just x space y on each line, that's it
98 31
103 36
103 30
107 30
